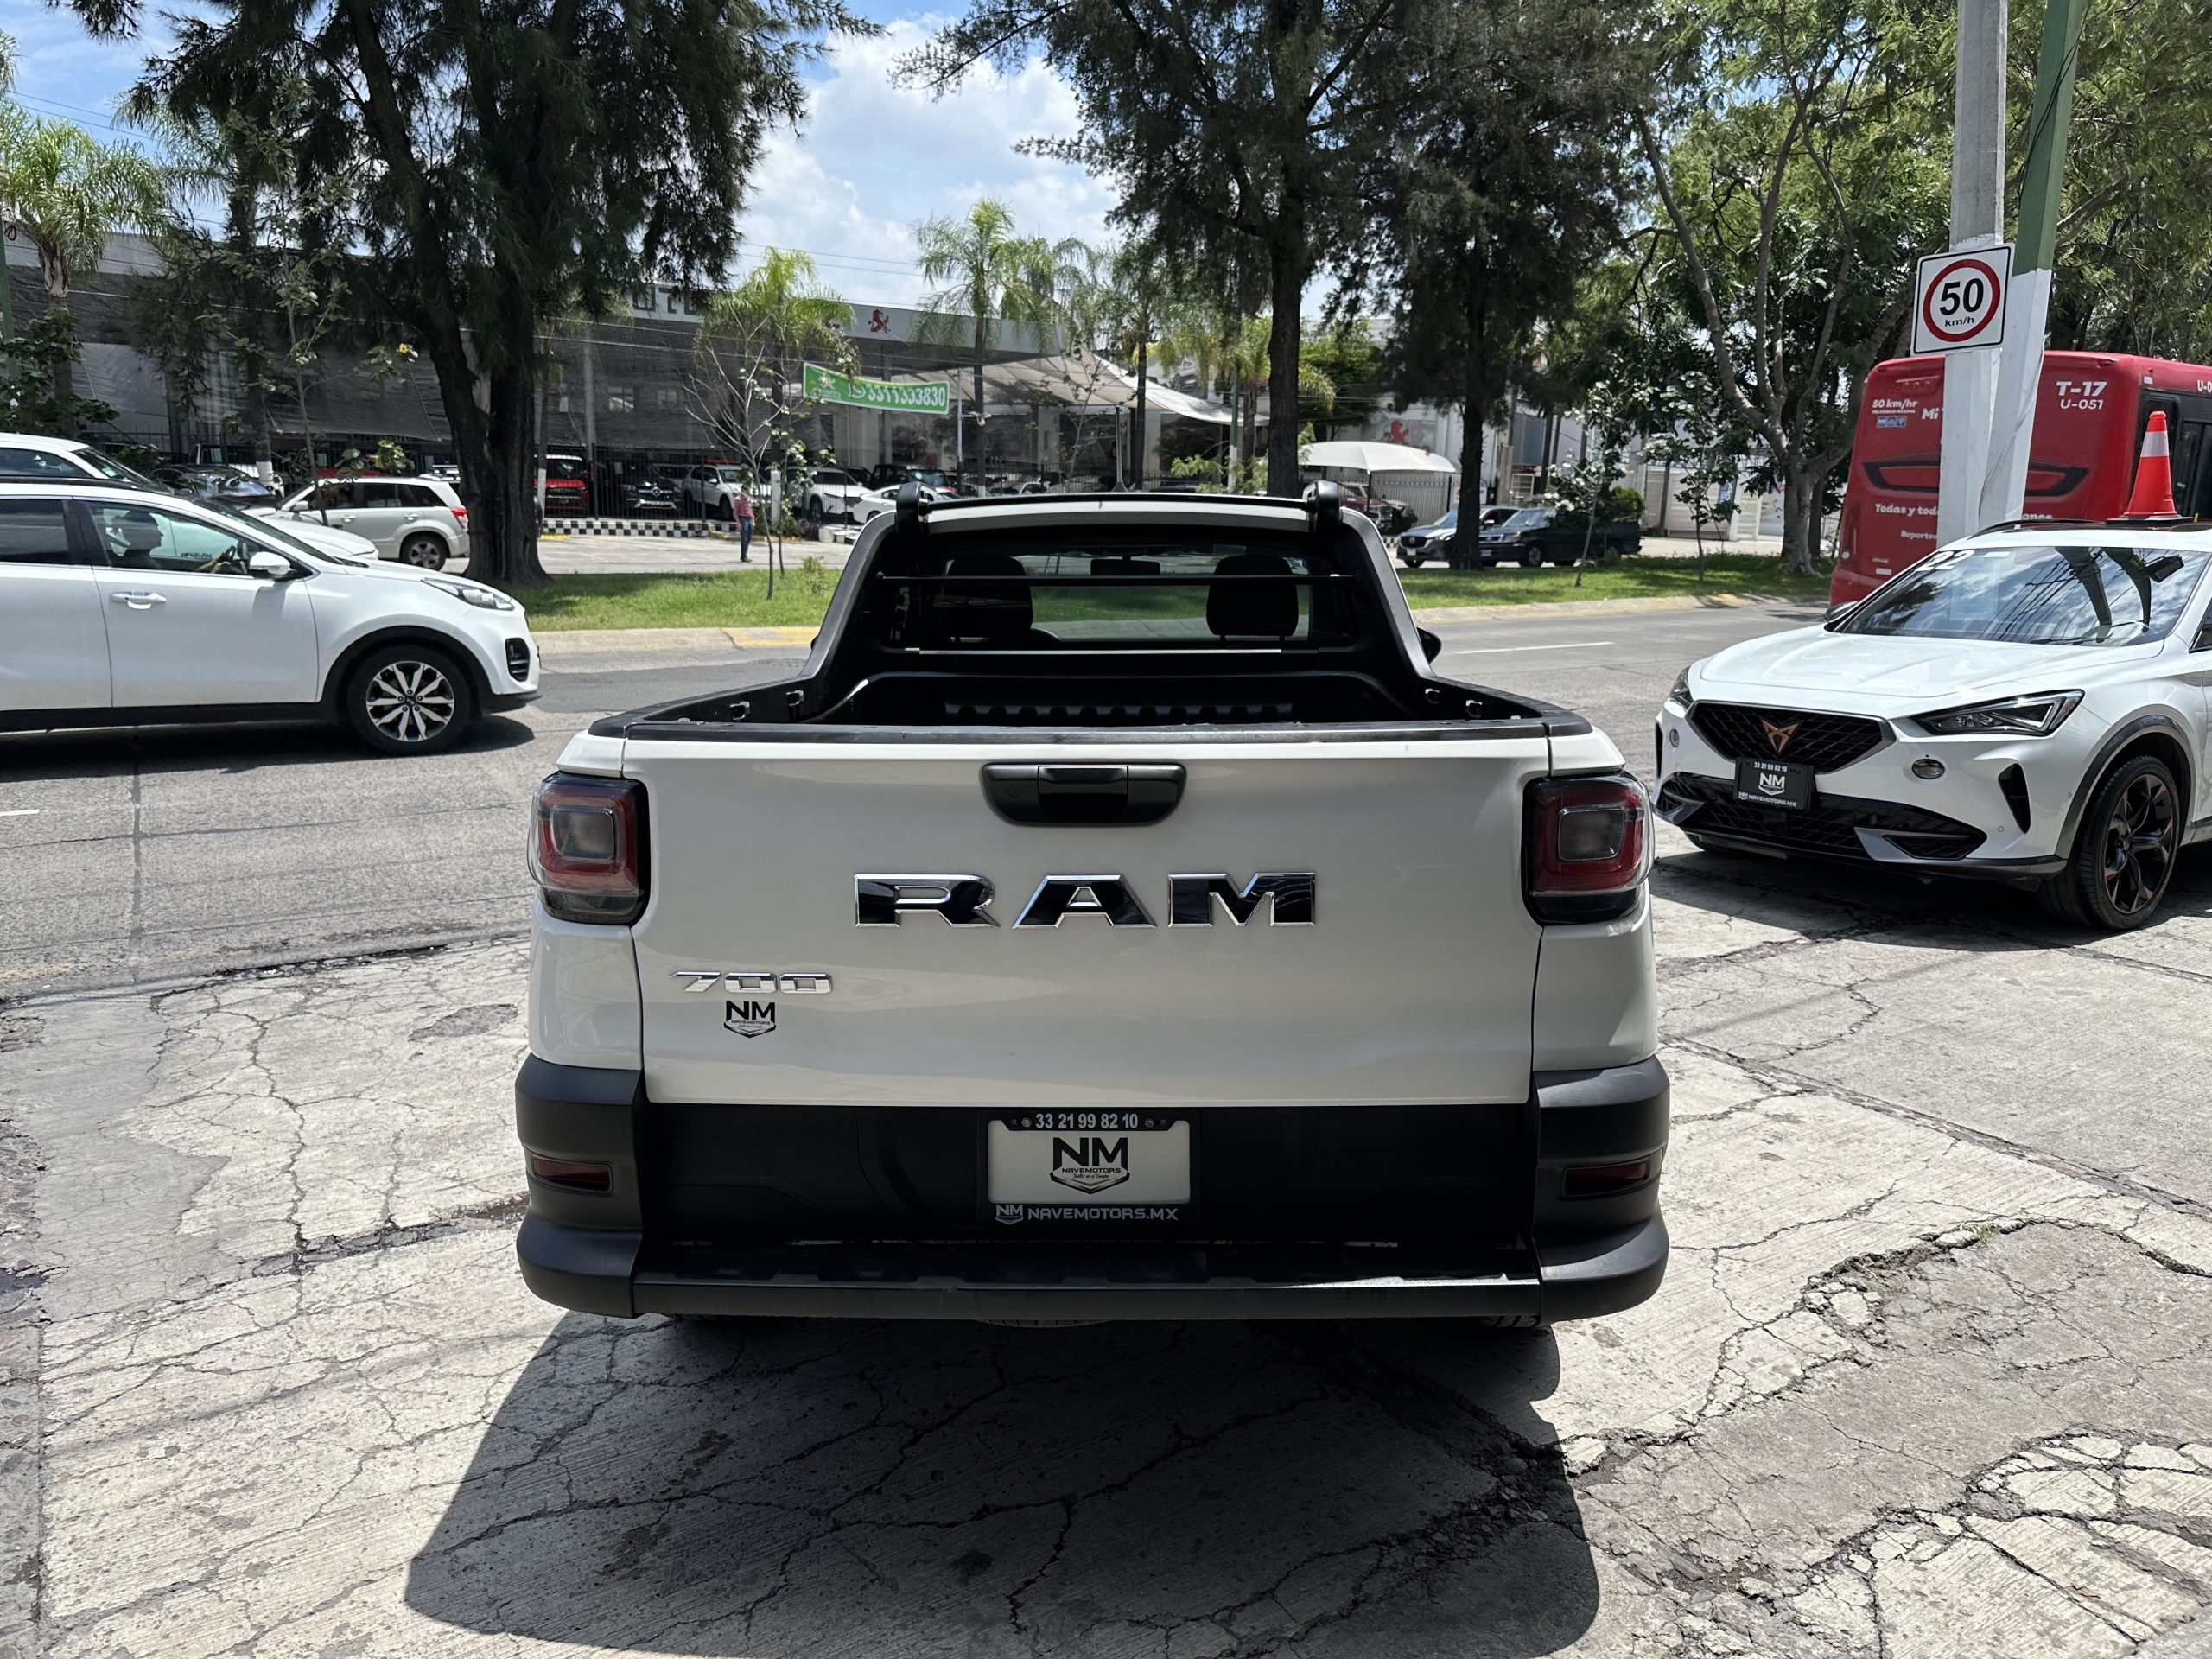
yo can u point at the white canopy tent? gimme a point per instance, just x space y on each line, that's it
1359 455
1422 480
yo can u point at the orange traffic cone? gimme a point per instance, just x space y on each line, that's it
2154 476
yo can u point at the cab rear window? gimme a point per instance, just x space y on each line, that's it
1108 593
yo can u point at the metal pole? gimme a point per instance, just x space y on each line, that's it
2027 313
1977 221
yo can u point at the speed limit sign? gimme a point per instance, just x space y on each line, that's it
1959 300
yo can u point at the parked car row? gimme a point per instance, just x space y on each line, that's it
1525 536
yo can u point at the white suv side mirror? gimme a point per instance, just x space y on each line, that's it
275 566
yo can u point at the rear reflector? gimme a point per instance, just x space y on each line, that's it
1587 848
586 847
1596 1180
588 1178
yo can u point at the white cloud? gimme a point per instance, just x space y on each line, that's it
874 158
871 160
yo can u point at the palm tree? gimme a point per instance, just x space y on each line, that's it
786 304
1233 351
987 275
67 193
1140 271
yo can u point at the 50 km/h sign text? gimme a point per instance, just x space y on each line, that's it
1960 299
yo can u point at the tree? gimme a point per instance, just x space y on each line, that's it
1142 272
1796 188
747 380
1234 130
67 193
1503 185
506 164
2134 267
1592 477
986 276
1348 361
34 390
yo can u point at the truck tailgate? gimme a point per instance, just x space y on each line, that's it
1411 986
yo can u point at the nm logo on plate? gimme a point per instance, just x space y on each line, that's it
1090 1163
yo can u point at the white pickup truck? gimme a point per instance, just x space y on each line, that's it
1116 919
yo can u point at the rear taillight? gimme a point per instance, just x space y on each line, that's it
460 516
588 847
1588 849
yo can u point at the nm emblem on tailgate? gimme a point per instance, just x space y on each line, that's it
746 1008
749 1019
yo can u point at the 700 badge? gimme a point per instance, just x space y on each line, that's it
1959 299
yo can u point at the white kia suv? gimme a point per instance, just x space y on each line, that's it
119 607
2026 705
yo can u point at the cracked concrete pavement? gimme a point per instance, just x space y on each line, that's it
1928 1376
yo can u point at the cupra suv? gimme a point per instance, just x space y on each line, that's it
2028 705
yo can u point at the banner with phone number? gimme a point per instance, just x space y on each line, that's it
825 385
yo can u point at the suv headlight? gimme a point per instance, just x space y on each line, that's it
2036 716
485 599
1680 696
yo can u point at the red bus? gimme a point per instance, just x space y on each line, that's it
2089 419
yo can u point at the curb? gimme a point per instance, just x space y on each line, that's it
1610 606
682 529
555 644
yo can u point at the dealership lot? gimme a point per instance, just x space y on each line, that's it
1927 1376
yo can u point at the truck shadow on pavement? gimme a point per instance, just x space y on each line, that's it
822 1487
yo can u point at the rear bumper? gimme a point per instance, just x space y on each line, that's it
1556 1258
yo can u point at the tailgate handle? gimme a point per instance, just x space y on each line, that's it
1030 792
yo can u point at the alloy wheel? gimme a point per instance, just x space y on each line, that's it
423 554
2139 840
410 701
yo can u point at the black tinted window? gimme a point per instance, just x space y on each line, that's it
34 532
1116 592
38 464
2038 595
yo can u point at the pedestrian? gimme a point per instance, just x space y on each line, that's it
741 510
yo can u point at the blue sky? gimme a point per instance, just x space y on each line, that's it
870 161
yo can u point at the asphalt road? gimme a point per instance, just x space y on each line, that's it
130 857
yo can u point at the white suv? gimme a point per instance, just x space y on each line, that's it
418 521
121 608
2026 706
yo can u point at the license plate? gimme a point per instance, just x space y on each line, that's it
1122 1167
1774 783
